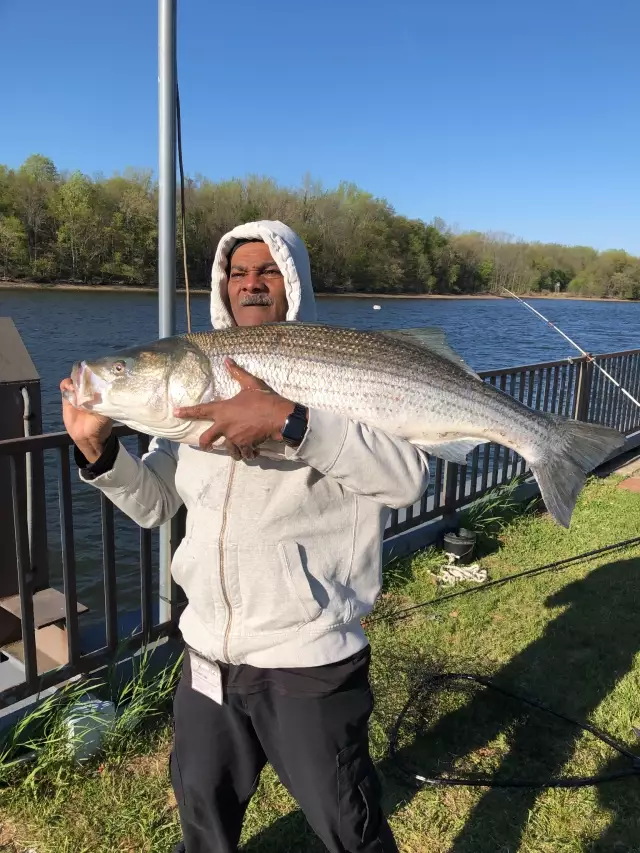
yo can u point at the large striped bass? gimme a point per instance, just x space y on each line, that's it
408 383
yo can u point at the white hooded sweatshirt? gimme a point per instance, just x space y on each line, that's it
281 558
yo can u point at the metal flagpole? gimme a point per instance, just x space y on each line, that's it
167 90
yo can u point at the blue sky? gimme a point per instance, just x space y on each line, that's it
506 116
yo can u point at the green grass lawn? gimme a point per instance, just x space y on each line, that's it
570 638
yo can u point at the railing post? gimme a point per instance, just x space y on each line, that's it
25 575
583 390
450 488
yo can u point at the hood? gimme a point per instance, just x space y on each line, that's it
287 250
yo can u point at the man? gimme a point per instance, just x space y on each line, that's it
280 561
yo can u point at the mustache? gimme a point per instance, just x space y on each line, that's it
262 299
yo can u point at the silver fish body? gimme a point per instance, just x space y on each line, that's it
409 384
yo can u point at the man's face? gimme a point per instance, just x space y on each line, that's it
255 290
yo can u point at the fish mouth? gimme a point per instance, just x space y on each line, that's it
87 386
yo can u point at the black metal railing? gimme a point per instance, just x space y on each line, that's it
572 388
78 662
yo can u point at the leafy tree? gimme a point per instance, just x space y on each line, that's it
13 244
71 226
79 228
35 185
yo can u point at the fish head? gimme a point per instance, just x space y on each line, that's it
142 385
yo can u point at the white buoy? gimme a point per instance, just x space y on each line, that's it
376 307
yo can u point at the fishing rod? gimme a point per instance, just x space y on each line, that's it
587 355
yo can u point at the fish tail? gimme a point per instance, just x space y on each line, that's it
578 449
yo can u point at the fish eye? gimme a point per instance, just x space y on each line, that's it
119 367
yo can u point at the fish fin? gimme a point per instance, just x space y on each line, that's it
434 339
562 474
452 450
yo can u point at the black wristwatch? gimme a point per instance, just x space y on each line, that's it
295 426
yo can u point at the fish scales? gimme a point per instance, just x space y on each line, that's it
409 384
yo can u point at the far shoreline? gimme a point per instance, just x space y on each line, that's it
198 291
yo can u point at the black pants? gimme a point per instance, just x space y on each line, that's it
318 745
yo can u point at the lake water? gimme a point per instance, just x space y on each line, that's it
60 327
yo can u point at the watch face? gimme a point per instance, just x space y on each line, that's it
294 429
295 426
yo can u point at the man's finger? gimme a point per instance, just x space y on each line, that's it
233 450
203 412
209 437
247 381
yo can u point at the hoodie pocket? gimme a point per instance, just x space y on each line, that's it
275 590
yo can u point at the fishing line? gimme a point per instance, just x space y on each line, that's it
587 355
183 219
440 680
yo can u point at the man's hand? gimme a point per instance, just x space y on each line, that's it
253 416
88 430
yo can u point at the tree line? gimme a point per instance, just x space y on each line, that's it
69 227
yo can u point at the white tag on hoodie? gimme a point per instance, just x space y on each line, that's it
206 677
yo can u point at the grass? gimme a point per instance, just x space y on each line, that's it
569 637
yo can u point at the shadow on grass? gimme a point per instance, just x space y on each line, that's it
573 667
622 799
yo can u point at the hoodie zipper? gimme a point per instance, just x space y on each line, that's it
221 543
